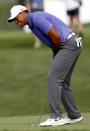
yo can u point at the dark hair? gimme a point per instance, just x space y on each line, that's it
26 11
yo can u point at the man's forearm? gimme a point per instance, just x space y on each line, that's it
55 39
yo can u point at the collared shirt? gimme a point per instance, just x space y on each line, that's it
40 23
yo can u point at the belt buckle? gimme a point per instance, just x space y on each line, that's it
70 35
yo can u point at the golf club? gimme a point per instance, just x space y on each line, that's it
36 124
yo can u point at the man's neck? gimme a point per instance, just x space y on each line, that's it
27 19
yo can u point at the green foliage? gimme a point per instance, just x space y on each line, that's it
4 15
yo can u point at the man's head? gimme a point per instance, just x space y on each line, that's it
19 14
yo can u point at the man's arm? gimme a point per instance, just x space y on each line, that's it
56 40
48 29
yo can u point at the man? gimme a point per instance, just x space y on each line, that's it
73 7
66 48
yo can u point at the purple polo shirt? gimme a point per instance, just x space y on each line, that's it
40 23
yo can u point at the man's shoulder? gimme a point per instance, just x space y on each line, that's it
38 14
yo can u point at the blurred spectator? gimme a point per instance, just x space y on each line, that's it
73 10
32 6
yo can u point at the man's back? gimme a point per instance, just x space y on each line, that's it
41 22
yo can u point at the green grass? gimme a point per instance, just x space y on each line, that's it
23 75
26 124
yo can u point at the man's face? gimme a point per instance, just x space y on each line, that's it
20 19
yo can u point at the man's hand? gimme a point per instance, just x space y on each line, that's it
56 40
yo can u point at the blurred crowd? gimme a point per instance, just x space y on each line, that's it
72 10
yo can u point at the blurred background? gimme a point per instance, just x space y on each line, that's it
24 68
56 7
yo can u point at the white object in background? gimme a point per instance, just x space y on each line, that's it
57 7
26 29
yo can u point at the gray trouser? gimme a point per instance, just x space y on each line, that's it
59 78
